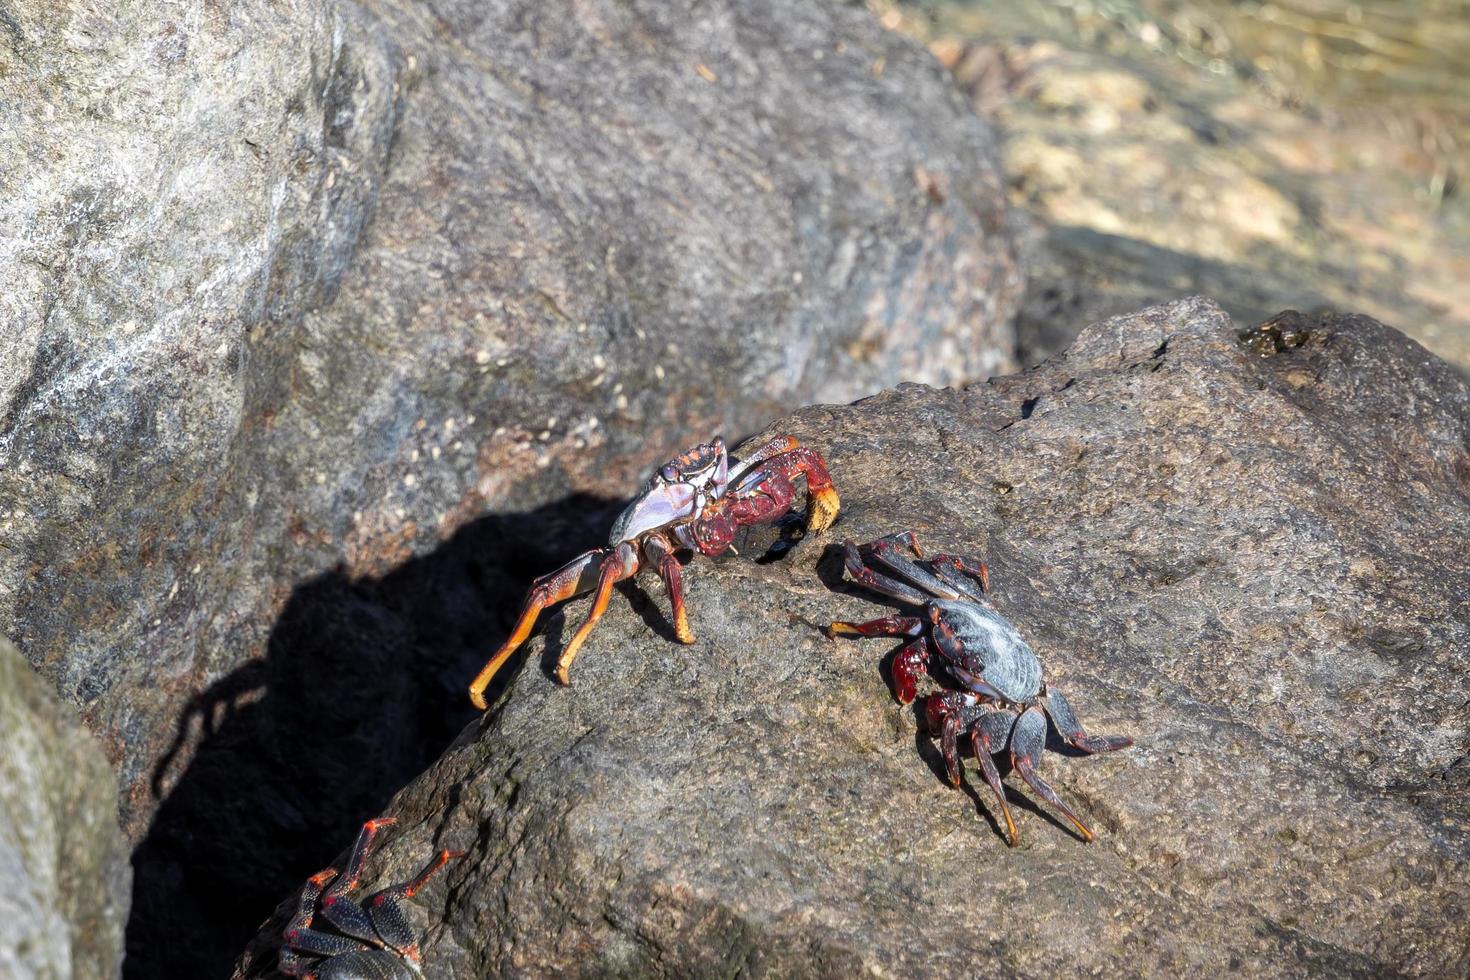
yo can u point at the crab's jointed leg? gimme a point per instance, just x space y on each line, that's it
988 735
1027 740
884 626
773 469
865 576
949 567
386 907
822 501
946 708
661 555
773 447
621 564
1072 731
572 579
886 551
300 935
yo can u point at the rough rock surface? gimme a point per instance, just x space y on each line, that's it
291 285
1245 552
63 861
296 287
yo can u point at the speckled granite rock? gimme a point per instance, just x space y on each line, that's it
63 861
1247 552
289 286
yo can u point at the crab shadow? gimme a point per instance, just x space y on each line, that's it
275 766
830 571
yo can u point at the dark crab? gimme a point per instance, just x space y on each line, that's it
697 501
1006 701
369 941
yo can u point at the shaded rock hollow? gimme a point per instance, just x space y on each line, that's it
1244 550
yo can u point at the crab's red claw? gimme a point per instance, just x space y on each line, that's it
908 666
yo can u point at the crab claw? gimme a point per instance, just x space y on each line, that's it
822 506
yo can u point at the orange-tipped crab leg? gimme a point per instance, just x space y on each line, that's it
661 554
572 579
1027 741
987 736
1071 729
349 878
621 564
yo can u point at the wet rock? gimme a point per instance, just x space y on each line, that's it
63 861
1250 560
315 284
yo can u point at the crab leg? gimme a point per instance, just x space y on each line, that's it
886 552
865 576
786 462
621 564
386 907
952 725
1027 740
348 879
948 568
572 579
822 502
988 736
775 447
661 555
886 626
1072 731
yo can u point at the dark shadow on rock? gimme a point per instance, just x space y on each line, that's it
361 689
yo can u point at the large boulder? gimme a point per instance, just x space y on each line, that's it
1245 549
313 284
63 860
294 287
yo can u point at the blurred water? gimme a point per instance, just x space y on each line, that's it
1293 153
1339 55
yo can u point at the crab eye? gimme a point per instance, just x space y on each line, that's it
670 473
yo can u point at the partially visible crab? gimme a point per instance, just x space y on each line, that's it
697 501
370 941
1006 702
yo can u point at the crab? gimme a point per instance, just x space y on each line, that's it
696 502
372 940
1005 701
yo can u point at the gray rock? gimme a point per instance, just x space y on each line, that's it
294 292
1246 553
63 861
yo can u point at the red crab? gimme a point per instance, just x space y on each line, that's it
369 941
697 501
1006 702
